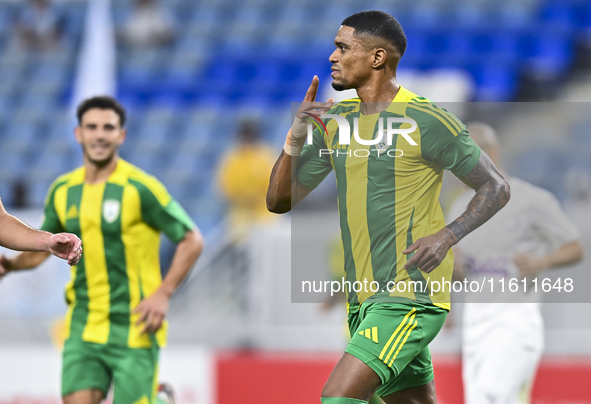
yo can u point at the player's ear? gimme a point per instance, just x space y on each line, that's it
123 136
78 134
380 56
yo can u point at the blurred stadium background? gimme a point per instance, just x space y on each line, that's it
235 336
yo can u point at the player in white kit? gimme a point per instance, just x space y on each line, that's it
503 332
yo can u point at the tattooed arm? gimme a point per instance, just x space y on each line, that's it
492 193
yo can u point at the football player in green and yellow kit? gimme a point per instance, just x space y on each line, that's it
395 240
117 299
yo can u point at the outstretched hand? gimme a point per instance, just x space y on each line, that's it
430 250
66 246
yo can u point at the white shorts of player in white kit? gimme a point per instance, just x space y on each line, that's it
501 354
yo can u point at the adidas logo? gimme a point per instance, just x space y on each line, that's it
370 333
72 212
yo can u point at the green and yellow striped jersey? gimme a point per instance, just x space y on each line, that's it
119 222
388 195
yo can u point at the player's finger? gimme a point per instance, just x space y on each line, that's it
412 247
312 90
313 112
158 323
149 323
75 251
74 257
143 314
423 263
77 245
146 326
75 260
414 259
430 265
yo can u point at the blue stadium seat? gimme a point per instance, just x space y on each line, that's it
44 103
14 165
74 18
7 104
150 161
38 192
20 137
558 13
136 82
196 137
7 19
550 54
49 72
121 13
181 169
206 13
48 166
13 73
495 82
582 16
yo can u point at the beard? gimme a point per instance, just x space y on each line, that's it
337 86
99 163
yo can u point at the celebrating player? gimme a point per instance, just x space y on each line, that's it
117 299
392 227
503 333
16 235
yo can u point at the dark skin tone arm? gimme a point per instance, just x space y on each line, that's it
283 186
492 193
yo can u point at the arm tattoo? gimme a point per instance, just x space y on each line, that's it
492 193
457 229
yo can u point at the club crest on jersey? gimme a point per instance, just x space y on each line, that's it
382 146
111 210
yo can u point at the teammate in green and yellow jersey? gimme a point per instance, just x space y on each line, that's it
117 300
395 241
